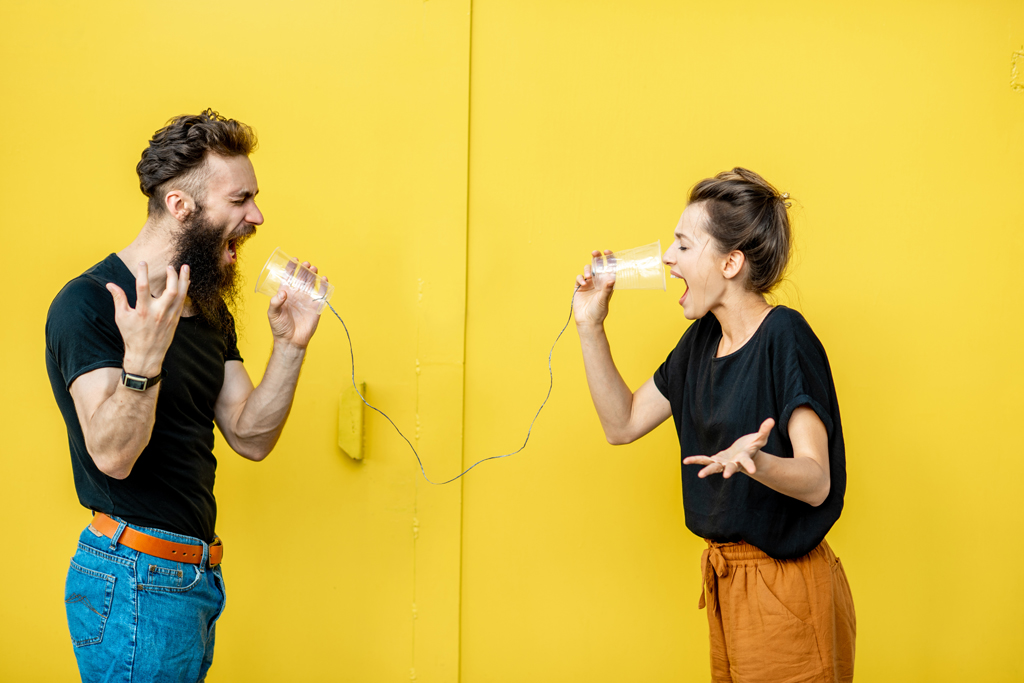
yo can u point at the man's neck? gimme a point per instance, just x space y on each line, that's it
155 245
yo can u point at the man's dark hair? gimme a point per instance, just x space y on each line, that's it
175 158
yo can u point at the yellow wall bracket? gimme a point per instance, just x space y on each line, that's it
350 421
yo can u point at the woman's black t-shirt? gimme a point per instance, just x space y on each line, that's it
717 400
171 485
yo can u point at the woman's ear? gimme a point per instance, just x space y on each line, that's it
733 264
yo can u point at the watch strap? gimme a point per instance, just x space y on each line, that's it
138 382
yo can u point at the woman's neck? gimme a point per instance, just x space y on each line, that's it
739 316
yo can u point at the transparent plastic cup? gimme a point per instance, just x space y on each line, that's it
281 270
637 268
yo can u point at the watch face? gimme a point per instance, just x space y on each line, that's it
134 382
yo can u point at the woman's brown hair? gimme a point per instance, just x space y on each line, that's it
745 213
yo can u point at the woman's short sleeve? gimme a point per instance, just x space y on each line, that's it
801 372
671 374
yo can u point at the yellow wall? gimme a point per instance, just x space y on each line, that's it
895 127
450 165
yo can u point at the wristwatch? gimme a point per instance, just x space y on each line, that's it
138 382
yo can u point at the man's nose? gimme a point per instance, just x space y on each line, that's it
255 216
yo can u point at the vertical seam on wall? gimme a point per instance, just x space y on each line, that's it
465 338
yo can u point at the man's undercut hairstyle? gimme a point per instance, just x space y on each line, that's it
745 213
176 156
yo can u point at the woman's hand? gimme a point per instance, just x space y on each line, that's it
739 455
590 305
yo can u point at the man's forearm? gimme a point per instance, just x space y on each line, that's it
266 410
119 430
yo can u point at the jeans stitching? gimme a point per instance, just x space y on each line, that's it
77 598
171 589
116 559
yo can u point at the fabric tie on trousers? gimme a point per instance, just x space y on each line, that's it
713 566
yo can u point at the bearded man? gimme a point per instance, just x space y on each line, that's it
142 357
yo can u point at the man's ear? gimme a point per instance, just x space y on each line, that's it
733 264
179 204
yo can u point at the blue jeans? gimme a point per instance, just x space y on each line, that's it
135 617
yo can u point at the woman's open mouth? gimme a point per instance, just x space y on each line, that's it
680 277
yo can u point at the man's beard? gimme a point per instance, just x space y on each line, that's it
214 287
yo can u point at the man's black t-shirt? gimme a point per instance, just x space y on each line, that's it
171 485
717 400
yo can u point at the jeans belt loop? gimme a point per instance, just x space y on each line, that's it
117 534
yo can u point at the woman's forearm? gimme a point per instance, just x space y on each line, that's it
799 477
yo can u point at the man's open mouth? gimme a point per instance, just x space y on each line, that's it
236 240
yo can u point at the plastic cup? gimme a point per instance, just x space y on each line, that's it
637 268
281 270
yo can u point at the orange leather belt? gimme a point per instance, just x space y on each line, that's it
157 547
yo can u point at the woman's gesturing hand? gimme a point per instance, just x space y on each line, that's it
590 306
739 455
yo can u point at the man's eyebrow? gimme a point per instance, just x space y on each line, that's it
243 192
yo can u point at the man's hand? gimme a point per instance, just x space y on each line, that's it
590 305
739 455
148 329
293 314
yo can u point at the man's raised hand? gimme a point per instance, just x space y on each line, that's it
148 329
293 314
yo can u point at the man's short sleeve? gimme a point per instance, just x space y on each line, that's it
81 335
801 372
231 343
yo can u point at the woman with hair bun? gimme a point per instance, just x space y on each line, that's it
763 462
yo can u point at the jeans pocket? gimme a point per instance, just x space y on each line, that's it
87 598
157 574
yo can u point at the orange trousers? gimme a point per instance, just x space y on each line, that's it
778 621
